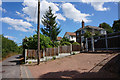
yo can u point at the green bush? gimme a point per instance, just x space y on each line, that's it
73 54
75 43
53 58
29 62
31 42
56 44
65 43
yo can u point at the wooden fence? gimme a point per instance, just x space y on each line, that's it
76 47
32 54
65 49
105 42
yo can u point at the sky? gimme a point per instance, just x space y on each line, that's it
19 19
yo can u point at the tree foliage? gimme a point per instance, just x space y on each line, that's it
107 27
64 39
97 33
75 43
65 43
50 26
31 42
116 26
87 34
9 46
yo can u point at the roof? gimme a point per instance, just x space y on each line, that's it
59 38
93 27
71 33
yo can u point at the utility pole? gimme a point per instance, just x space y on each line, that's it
38 33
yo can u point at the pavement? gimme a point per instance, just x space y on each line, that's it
75 66
11 69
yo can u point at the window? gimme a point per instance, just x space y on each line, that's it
77 33
72 37
101 32
78 39
83 31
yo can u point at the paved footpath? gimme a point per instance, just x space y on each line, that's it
11 68
75 66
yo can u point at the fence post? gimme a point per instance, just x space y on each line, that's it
25 54
43 53
70 48
92 41
46 53
54 51
86 44
58 50
106 42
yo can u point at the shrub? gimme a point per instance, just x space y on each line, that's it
73 53
29 62
53 57
75 43
56 44
65 43
27 58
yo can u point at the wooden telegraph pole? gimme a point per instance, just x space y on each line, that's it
38 33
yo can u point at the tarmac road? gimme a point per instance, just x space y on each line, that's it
11 67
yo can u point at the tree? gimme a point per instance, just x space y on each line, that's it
64 39
8 46
87 34
31 42
97 33
50 26
107 27
116 26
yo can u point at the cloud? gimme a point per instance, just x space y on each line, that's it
60 17
18 24
10 28
21 34
0 2
98 5
1 9
18 13
30 9
11 37
71 12
99 1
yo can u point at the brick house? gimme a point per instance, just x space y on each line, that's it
92 29
71 36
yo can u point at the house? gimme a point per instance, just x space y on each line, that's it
71 36
58 39
92 29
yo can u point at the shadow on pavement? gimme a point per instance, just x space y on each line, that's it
110 70
17 60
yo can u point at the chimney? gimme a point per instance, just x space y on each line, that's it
100 26
83 24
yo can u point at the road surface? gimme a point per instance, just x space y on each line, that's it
11 67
